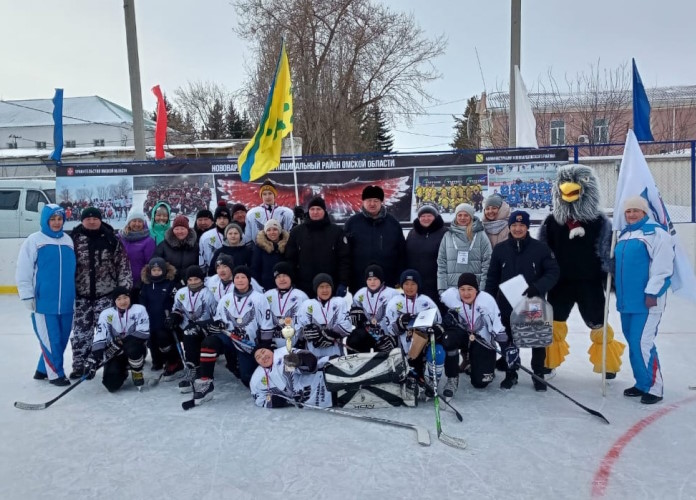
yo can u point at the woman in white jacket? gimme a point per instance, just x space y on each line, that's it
464 249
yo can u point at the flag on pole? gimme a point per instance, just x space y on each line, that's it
262 154
525 123
641 108
57 126
635 179
161 124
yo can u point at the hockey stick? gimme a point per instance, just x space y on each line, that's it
43 406
448 440
545 382
422 433
456 413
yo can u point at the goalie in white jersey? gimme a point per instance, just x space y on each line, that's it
282 378
472 324
284 302
369 314
122 331
242 321
324 321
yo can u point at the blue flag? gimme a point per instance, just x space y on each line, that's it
641 108
57 126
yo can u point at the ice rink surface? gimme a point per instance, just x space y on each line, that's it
521 444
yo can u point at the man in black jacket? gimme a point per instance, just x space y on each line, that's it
522 254
375 237
318 246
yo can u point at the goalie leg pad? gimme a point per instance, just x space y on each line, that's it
355 370
377 396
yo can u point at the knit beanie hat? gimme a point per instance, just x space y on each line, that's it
118 291
205 214
374 271
91 212
194 272
322 278
464 207
180 221
236 227
468 279
373 192
410 274
222 211
272 223
427 208
282 268
519 216
158 262
494 200
268 186
244 270
237 207
317 201
224 260
637 202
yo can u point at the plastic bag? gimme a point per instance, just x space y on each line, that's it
531 323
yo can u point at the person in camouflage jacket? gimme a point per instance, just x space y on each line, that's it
102 265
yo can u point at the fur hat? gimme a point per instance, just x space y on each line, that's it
222 211
428 208
468 279
636 202
519 216
464 207
272 223
180 221
373 192
282 268
194 271
91 212
374 271
244 270
494 200
410 274
322 278
317 201
268 186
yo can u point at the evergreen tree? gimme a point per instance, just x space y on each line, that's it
467 129
215 126
375 131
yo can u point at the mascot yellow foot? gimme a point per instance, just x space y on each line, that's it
614 350
558 349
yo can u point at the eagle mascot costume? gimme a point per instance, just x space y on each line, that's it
580 236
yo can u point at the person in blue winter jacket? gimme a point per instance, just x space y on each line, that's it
46 284
644 265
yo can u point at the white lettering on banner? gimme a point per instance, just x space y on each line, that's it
223 167
352 164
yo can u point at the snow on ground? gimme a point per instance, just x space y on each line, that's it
521 444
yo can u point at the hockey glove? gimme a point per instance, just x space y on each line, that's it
114 348
173 320
512 357
438 331
385 343
532 291
93 363
291 361
358 317
218 326
311 332
403 321
326 338
192 330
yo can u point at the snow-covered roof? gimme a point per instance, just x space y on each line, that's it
76 111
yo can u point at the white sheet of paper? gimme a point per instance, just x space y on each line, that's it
513 289
425 318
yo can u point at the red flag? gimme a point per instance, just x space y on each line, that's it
161 126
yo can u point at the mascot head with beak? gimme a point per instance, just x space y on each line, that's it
576 194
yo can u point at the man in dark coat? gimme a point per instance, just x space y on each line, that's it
318 246
375 237
522 254
423 245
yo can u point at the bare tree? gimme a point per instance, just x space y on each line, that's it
345 55
197 101
64 195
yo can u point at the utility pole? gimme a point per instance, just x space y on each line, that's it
515 29
134 72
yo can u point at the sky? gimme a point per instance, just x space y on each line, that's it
80 45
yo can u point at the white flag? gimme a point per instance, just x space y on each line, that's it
635 179
525 124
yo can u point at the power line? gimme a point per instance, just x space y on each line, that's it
423 135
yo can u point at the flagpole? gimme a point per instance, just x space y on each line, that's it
294 168
607 296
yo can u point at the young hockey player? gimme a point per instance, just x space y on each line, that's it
220 284
157 297
242 321
284 302
122 330
257 217
193 311
324 321
473 313
213 238
293 376
368 314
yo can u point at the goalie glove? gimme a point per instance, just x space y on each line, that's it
403 321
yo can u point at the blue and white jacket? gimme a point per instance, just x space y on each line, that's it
644 264
46 267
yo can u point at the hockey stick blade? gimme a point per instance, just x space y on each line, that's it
452 441
43 406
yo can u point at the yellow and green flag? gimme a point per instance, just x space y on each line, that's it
262 154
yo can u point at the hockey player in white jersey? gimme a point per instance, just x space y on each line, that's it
284 301
242 321
369 314
257 217
125 328
213 238
193 310
472 312
324 321
220 283
281 376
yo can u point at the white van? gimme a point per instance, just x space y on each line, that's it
21 202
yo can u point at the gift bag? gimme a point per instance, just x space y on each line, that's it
531 323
